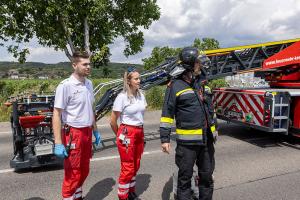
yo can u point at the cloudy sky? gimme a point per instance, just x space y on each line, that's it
231 22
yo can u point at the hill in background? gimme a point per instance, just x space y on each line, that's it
59 70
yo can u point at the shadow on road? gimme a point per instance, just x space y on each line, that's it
142 183
259 138
42 169
167 190
101 189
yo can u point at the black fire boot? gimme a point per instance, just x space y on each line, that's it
132 196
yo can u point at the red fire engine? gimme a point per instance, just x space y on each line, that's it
273 109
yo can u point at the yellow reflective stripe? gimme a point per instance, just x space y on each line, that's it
166 120
213 128
182 91
274 93
189 132
225 50
207 88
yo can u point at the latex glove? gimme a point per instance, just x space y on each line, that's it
97 137
60 151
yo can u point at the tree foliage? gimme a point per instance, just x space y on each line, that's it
69 24
206 44
159 54
106 71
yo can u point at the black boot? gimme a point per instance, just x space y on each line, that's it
132 196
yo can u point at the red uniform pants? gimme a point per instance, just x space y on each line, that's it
130 156
77 164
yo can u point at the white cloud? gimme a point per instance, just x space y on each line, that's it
231 22
40 54
37 54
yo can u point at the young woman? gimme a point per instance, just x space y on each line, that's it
129 106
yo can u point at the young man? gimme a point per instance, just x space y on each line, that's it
73 124
182 101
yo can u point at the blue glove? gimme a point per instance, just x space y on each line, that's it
97 137
60 151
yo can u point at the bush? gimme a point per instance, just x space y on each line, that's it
10 87
155 97
218 83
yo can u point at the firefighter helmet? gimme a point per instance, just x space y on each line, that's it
188 56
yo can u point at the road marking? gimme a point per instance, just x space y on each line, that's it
114 157
5 132
3 171
104 158
102 125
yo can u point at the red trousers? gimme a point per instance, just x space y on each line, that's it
130 156
77 164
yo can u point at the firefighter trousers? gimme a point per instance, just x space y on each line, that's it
211 149
77 164
185 157
130 156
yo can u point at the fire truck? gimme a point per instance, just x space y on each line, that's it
271 109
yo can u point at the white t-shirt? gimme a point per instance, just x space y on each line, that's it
132 113
76 99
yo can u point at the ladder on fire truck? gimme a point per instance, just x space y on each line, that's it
242 59
223 62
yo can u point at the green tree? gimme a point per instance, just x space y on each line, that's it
89 25
106 71
158 55
206 44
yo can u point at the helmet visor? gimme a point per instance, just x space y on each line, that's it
204 60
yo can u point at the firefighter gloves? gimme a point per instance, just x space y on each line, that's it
60 151
97 136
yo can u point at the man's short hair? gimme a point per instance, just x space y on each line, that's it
79 54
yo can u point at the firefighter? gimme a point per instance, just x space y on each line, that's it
129 106
207 97
73 110
183 102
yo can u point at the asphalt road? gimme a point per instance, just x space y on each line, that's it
250 165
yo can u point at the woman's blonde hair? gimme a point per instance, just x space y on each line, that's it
126 87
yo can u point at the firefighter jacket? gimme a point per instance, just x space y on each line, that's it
207 97
209 108
182 102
